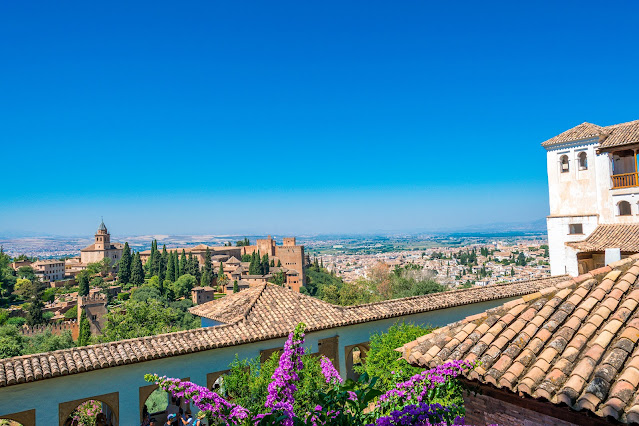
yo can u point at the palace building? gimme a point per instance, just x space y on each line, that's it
288 254
102 248
594 196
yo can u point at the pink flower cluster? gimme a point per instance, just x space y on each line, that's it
329 371
281 390
204 399
417 387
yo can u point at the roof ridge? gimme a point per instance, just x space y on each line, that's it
252 304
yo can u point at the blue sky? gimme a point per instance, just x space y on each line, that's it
298 117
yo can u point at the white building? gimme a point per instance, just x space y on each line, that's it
49 270
594 196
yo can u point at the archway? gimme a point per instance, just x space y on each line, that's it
87 412
214 380
23 418
158 403
355 355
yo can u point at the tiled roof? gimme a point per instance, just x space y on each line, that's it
621 236
259 313
574 343
609 136
621 134
583 131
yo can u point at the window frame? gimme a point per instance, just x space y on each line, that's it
582 165
561 163
575 227
619 204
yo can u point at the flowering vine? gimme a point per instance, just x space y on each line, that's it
424 399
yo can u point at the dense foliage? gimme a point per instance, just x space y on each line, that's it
148 313
382 360
381 284
14 343
247 383
431 397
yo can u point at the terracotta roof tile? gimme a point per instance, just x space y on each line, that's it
268 311
608 137
578 346
621 236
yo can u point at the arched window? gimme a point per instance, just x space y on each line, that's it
583 160
624 208
563 161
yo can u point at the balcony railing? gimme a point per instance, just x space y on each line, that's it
625 180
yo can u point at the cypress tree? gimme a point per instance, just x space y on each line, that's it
272 263
279 263
183 264
170 269
254 267
137 273
124 272
84 284
236 287
264 265
176 265
34 312
85 330
221 276
207 271
322 263
162 264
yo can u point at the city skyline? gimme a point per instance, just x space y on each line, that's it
294 118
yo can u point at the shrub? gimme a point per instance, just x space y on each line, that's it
384 362
71 314
17 321
430 397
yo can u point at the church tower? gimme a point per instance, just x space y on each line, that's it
102 238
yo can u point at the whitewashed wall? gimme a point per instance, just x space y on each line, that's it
46 395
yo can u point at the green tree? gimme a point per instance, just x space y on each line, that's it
183 286
255 267
147 318
137 273
207 270
279 263
222 279
124 270
155 282
34 312
194 267
176 265
11 341
278 278
170 268
83 284
84 336
236 287
183 264
47 342
382 360
26 272
264 264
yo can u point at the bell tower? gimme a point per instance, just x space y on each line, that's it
102 237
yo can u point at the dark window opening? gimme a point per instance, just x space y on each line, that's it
575 228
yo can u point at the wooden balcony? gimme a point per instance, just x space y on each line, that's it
625 180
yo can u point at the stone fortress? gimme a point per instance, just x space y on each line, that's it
288 254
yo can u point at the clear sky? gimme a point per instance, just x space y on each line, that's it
298 117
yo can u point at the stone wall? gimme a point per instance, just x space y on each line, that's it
492 406
57 329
